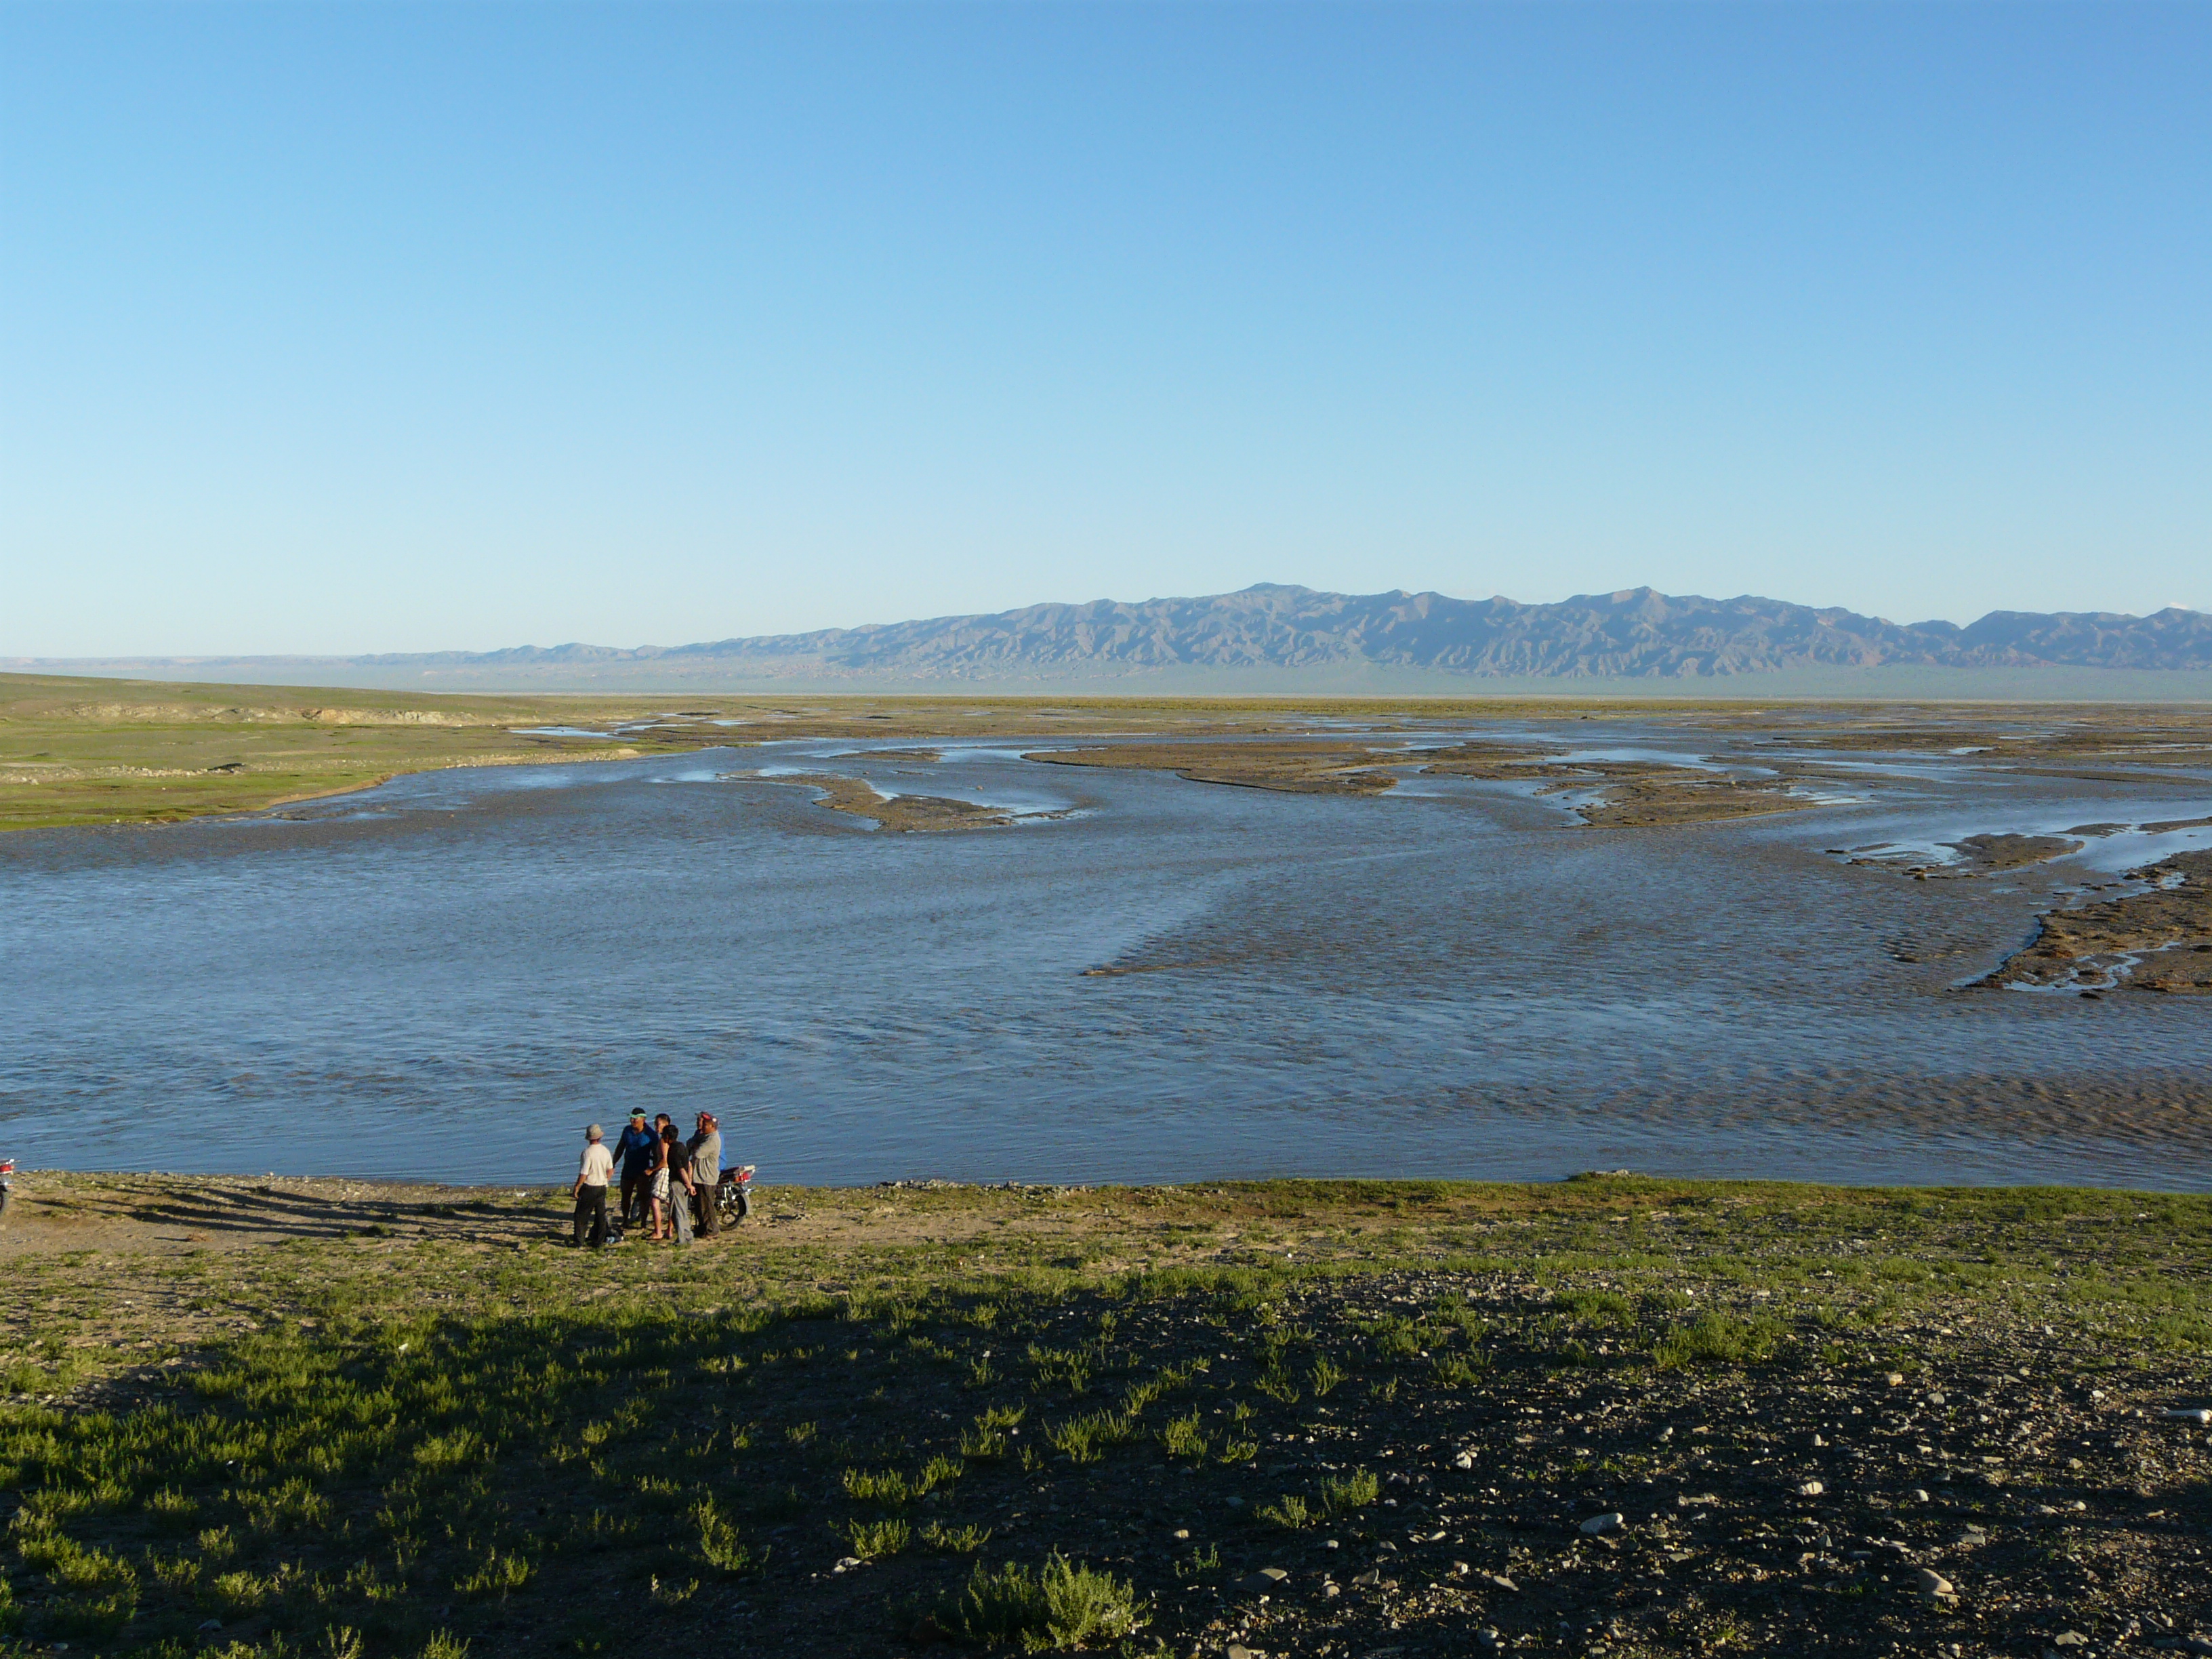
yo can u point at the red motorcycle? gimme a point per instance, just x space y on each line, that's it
734 1197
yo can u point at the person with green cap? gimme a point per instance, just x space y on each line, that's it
638 1150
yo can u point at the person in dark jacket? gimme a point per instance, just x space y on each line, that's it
637 1151
706 1149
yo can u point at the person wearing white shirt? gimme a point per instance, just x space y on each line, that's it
597 1164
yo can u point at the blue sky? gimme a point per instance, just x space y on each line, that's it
338 327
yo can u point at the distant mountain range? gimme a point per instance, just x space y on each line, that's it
1635 635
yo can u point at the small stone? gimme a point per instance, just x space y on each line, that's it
1330 1544
1810 1489
1181 1534
2070 1639
1460 1569
1488 1639
1499 1580
1696 1500
1931 1583
2076 1464
1267 1578
1970 1537
210 1623
1464 1461
1330 1590
2192 1414
1238 1650
1612 1521
1234 1502
1895 1379
1919 1495
846 1563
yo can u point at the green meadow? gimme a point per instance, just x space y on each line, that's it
318 1418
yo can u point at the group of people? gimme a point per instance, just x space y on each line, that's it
669 1184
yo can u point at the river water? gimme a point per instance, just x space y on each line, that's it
446 977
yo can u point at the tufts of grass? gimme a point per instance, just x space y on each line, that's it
984 1440
719 1546
1037 1609
1291 1512
1183 1436
955 1540
1085 1439
1341 1494
889 1488
1458 1370
499 1573
1326 1375
872 1541
1719 1340
1066 1368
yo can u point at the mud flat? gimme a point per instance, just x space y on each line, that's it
1644 1417
2156 940
1300 769
902 814
1614 794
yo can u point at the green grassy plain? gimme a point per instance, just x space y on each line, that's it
98 751
285 1417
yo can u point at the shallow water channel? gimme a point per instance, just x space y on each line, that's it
446 977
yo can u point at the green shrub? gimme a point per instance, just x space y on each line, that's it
888 1487
1290 1512
1085 1439
498 1574
955 1540
1059 1605
719 1544
871 1541
1715 1339
290 1507
1341 1494
1183 1438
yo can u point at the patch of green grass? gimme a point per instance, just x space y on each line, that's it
1342 1494
1036 1609
872 1541
1719 1340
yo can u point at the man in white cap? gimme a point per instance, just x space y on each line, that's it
591 1190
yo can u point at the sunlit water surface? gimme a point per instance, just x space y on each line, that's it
446 977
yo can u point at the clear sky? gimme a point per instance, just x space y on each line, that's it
348 327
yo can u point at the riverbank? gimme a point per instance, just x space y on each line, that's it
1611 1415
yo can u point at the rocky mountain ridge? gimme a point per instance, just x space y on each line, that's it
1637 633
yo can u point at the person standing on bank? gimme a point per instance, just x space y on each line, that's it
706 1149
672 1180
639 1149
591 1174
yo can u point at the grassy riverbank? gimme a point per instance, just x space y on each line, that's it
137 752
322 1418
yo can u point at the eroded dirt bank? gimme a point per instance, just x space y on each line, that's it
2158 938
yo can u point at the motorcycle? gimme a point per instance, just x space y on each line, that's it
734 1197
7 1185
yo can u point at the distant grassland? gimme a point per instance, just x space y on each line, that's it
94 751
405 1423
